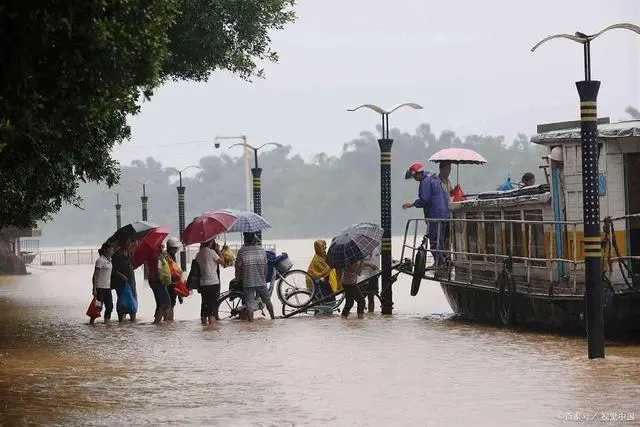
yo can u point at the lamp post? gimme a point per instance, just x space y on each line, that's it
588 93
144 199
181 222
385 144
247 165
118 212
256 173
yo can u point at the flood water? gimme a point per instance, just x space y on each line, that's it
418 367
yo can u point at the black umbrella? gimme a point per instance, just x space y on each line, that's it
354 244
133 231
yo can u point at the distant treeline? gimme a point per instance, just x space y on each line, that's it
300 198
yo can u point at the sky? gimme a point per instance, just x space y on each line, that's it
467 63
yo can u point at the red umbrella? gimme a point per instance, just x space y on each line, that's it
148 246
207 226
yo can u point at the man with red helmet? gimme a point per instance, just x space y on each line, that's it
434 201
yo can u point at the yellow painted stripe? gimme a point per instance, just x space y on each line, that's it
592 239
588 119
588 111
589 103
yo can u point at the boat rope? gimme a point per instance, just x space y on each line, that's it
608 243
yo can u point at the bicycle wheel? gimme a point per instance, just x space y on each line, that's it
286 308
229 305
292 281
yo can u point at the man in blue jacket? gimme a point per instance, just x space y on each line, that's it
434 201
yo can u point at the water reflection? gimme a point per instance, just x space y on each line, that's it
413 368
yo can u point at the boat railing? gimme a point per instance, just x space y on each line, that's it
557 268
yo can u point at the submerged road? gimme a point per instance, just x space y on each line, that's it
415 368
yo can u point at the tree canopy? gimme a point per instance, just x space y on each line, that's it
72 71
300 198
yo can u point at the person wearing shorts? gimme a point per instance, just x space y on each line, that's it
251 270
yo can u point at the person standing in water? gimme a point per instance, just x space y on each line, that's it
102 281
173 245
209 259
123 280
163 302
251 270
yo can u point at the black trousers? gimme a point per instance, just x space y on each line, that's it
352 293
209 305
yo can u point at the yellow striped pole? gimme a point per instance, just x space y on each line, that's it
257 193
588 91
386 295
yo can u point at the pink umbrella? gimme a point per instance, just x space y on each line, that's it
458 156
207 226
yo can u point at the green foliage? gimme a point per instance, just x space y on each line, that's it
72 71
300 199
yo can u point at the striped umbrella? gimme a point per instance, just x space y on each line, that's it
355 243
246 222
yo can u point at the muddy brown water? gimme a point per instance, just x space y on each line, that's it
418 367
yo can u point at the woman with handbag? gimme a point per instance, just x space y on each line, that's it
102 281
178 287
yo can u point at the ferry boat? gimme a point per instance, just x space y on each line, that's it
517 257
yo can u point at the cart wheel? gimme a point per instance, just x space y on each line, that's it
290 283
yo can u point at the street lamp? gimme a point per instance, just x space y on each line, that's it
385 144
181 223
247 167
588 92
256 172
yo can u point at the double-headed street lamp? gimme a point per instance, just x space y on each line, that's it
385 144
181 222
588 92
256 171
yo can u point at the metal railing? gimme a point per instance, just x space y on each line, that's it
504 246
85 256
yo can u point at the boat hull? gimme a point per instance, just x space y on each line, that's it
563 314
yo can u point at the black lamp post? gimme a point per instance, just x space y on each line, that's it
118 210
181 222
588 92
256 173
385 144
144 199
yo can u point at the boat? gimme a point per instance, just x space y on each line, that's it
517 257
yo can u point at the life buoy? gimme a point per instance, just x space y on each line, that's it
418 271
505 306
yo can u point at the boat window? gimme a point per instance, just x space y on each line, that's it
513 235
535 247
472 234
491 232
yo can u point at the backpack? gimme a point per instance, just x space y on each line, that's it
193 280
164 272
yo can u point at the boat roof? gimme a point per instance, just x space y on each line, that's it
626 129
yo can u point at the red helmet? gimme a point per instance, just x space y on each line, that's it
414 169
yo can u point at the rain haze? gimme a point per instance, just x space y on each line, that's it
468 63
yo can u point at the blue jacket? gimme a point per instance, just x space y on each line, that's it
432 198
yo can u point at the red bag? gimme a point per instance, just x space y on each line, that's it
181 288
95 308
458 194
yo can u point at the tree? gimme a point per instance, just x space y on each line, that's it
72 71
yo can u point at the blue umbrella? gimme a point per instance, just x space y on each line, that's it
354 244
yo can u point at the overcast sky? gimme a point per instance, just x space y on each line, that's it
467 62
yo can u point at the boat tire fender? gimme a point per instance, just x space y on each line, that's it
418 271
